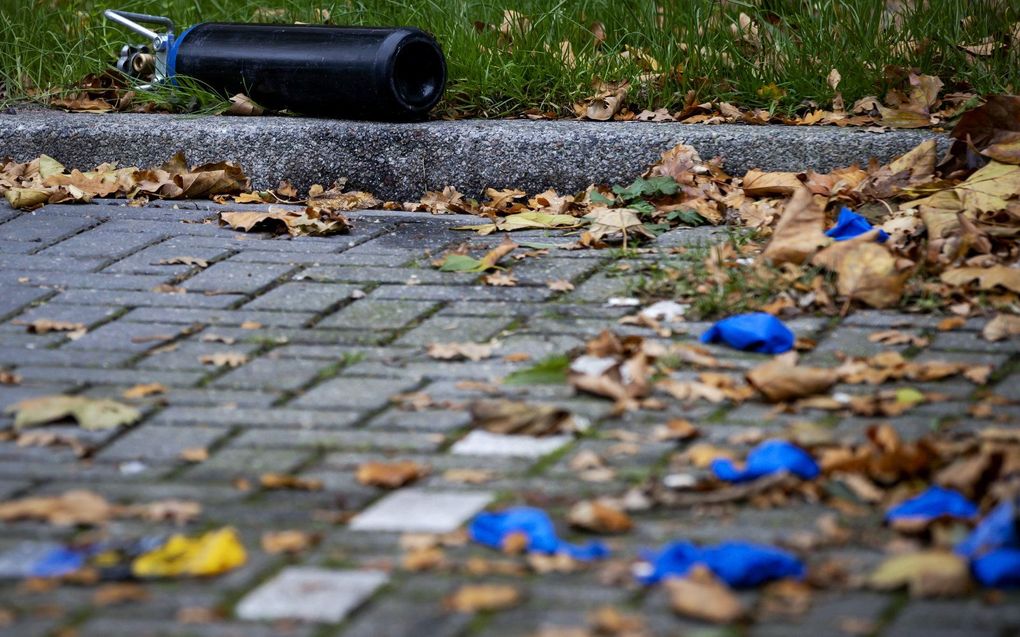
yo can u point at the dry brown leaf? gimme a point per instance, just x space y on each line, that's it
8 377
757 183
896 337
599 517
45 326
468 476
461 351
221 359
195 261
194 454
500 279
78 507
987 278
925 574
866 271
311 221
1001 327
283 481
143 390
702 595
119 593
951 323
391 475
518 418
779 381
800 231
424 558
473 598
559 285
291 541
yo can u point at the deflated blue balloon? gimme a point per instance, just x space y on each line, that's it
754 332
739 564
934 503
998 569
767 458
491 530
57 563
850 224
994 547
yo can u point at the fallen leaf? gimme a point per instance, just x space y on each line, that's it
291 542
274 481
310 222
221 359
45 326
599 517
77 507
90 413
243 105
423 558
473 598
195 261
701 595
951 323
500 279
143 390
391 475
468 476
609 221
119 593
1001 327
757 183
987 278
194 454
896 337
461 351
519 418
559 285
779 381
866 271
799 233
251 325
925 574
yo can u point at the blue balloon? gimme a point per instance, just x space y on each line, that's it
739 564
998 569
850 224
767 458
754 332
934 503
491 530
994 547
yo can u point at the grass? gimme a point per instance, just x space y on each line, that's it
47 46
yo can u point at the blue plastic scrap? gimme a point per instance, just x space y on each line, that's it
739 564
491 529
767 458
58 562
994 547
850 224
936 502
754 332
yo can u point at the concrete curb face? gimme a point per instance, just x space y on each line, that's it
402 161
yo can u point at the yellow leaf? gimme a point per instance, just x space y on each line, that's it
926 574
27 198
483 597
212 553
989 188
90 413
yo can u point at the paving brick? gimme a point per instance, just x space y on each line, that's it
310 594
340 439
302 297
375 274
153 299
153 443
188 356
120 377
230 463
87 314
270 372
230 277
122 335
351 393
28 263
14 298
218 317
461 293
94 280
147 261
101 243
39 227
371 314
453 330
419 511
242 416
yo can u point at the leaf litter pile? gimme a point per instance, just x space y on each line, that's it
921 233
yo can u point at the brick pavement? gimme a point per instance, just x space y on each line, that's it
333 328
